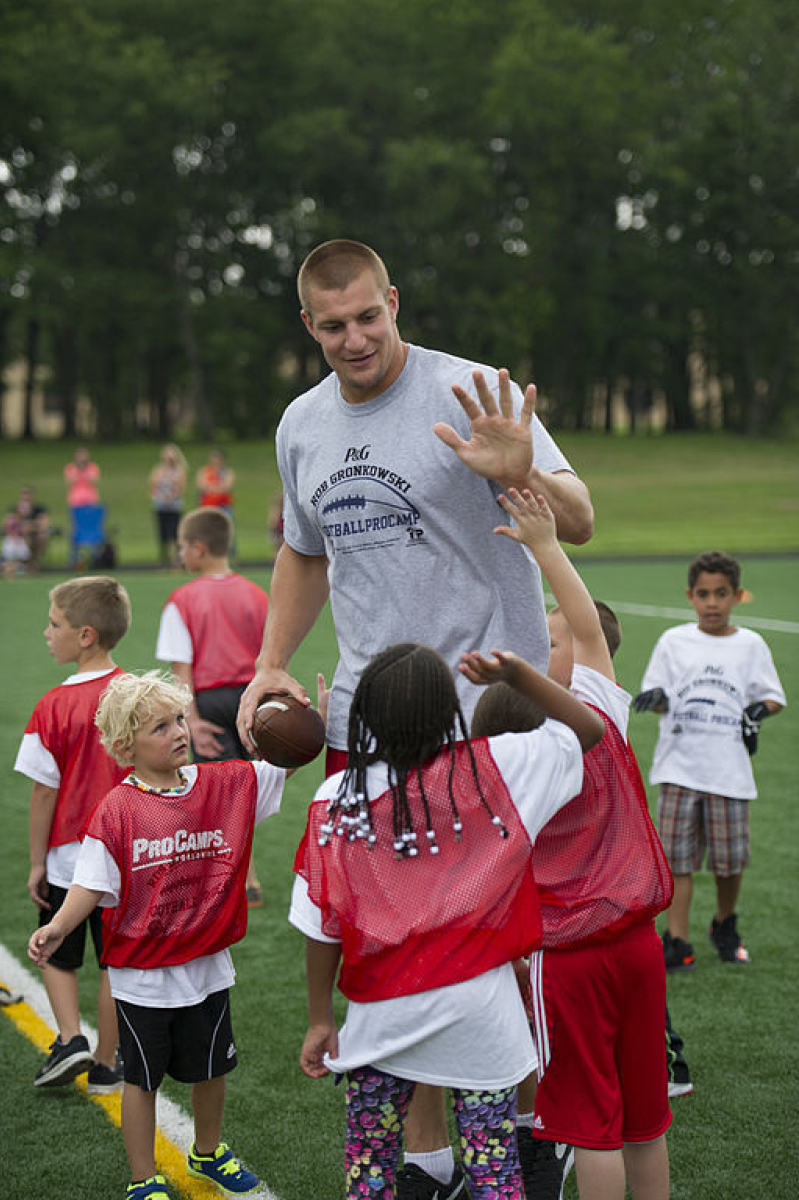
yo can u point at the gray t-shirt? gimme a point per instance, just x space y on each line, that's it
406 527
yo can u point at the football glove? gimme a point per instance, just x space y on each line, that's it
655 700
753 714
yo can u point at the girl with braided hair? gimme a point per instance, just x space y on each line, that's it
414 875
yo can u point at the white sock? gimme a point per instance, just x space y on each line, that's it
524 1120
438 1163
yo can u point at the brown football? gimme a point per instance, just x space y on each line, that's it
287 733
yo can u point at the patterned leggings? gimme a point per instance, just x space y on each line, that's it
376 1108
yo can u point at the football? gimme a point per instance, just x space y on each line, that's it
287 733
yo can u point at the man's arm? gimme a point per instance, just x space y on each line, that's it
42 810
501 448
535 528
297 595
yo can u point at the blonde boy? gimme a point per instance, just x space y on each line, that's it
61 753
166 855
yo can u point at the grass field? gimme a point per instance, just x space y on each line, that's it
653 495
734 1139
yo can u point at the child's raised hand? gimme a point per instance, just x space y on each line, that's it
318 1041
481 670
535 521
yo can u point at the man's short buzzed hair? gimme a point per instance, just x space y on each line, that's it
335 264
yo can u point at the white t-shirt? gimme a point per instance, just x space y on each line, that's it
188 983
472 1034
36 761
709 681
406 527
605 694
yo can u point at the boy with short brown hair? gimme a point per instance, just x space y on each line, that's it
61 753
210 634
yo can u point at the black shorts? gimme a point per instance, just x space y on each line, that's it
69 955
221 705
189 1044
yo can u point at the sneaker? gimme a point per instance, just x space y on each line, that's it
103 1080
679 955
679 1080
153 1188
724 936
8 997
65 1063
545 1165
415 1184
222 1169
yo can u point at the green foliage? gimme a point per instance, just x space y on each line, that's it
602 197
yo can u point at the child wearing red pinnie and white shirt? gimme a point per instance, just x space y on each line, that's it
166 854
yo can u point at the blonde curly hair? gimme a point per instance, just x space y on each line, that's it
128 701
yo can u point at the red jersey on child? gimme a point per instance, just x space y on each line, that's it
224 615
183 864
64 722
412 924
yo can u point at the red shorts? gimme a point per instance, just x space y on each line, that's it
606 1081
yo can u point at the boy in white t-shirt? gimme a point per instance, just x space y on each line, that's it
713 684
165 855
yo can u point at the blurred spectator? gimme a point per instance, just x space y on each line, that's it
35 525
276 521
167 485
83 499
215 483
15 548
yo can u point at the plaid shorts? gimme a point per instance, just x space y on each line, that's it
691 822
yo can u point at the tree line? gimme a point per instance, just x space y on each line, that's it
603 197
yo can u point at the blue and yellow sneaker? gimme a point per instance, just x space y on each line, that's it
153 1188
223 1170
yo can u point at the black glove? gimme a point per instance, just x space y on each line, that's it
655 700
753 714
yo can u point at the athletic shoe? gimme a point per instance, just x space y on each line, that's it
223 1170
724 936
415 1184
545 1165
679 955
679 1080
8 997
65 1063
103 1080
153 1188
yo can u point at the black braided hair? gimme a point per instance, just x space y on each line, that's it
404 711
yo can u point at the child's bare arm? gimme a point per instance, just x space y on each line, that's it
79 903
535 528
43 802
321 965
556 701
205 735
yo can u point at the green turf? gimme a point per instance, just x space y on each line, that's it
734 1139
652 495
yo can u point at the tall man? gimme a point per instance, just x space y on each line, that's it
391 472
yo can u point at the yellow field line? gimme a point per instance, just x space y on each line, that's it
170 1160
